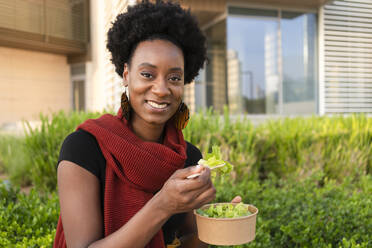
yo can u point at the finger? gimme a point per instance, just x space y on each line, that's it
236 199
196 183
205 197
183 173
205 174
195 193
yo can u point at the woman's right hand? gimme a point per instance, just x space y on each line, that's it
180 194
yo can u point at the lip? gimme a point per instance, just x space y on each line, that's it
158 102
156 110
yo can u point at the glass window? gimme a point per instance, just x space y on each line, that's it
215 71
271 61
299 62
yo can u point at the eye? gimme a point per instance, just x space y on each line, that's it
146 75
175 78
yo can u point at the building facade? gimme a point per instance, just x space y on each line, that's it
276 57
288 57
40 40
266 57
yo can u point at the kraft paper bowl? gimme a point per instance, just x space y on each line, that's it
227 231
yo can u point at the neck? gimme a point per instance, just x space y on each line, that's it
146 131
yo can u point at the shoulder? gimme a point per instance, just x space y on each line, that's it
79 137
192 150
81 147
193 154
79 142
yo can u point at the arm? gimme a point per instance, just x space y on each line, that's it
81 210
81 213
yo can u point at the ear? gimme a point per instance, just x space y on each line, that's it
126 74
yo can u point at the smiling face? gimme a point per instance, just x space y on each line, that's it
155 80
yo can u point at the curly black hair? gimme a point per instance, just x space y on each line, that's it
160 20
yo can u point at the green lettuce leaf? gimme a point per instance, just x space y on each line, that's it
225 211
215 158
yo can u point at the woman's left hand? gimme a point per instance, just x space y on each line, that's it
236 199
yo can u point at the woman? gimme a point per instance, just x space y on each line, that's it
122 179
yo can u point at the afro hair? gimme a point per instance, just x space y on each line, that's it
160 20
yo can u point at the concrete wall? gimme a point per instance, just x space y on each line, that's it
32 82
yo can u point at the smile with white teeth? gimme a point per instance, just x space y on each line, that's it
155 105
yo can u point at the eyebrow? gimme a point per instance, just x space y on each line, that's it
154 66
147 64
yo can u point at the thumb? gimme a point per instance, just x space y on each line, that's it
236 199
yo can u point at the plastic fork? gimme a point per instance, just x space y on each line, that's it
198 174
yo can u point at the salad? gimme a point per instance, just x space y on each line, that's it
215 158
226 210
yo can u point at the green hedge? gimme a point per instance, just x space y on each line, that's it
321 200
289 147
32 159
27 220
338 147
307 214
13 159
291 214
43 145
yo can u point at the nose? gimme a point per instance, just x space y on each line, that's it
161 88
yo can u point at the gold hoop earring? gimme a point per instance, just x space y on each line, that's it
125 105
182 116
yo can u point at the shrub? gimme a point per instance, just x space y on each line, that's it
306 214
291 214
339 147
27 220
322 199
13 159
42 145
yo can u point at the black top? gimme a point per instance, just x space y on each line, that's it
81 148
